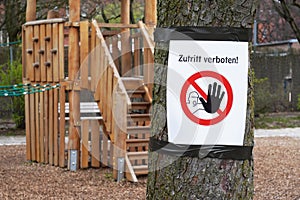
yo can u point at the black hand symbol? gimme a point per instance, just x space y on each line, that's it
214 99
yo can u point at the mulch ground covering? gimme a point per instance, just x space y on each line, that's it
277 176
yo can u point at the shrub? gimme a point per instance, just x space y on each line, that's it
298 102
262 95
11 74
268 101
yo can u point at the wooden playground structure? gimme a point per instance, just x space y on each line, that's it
111 63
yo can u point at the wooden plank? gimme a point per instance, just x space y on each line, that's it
55 52
113 108
95 140
42 53
31 10
84 51
104 152
36 47
120 129
61 51
51 130
74 129
98 68
130 175
111 154
37 128
23 53
29 55
137 56
46 112
32 127
150 13
74 96
55 127
48 41
28 132
74 9
125 39
42 127
149 71
93 57
104 90
47 21
109 93
62 123
84 144
116 53
119 25
126 62
125 11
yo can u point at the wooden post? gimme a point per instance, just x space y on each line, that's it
150 14
125 37
62 124
31 10
125 11
120 126
84 163
74 96
84 52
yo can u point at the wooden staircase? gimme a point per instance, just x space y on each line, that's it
124 102
138 128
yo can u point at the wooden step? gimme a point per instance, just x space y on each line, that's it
140 105
138 93
137 142
140 169
138 130
142 155
139 117
132 83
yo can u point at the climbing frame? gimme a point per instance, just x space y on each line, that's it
62 130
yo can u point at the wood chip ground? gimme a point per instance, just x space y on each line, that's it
277 176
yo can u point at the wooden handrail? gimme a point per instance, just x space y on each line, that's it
45 21
111 25
112 64
146 36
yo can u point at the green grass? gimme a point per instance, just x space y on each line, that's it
275 121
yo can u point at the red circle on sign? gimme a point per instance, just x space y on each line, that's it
191 82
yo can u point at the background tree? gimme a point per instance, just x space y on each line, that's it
289 10
273 18
12 13
194 178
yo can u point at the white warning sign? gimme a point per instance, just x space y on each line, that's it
207 92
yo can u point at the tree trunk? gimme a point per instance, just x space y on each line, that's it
198 178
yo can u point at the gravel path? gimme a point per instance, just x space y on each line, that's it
288 132
276 176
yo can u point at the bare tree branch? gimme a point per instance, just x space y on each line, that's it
296 4
284 11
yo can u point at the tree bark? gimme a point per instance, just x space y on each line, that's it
198 178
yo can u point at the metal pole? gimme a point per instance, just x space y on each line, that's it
11 54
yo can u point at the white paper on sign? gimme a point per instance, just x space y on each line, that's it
207 92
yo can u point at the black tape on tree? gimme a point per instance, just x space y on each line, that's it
201 151
203 33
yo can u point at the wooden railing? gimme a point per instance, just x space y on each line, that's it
148 56
132 46
108 86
